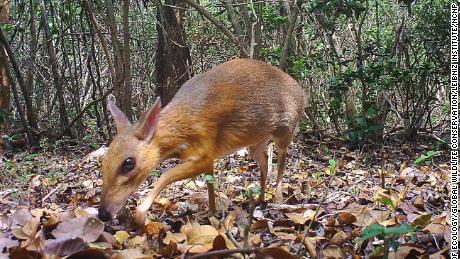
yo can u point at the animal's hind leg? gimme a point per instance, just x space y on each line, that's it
282 143
259 154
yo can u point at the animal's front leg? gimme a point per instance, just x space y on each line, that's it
188 169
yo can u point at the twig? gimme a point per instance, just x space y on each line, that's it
270 159
251 218
232 238
51 192
316 212
224 252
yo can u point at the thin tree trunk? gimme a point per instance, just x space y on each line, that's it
219 26
173 59
128 88
31 116
4 79
4 92
122 95
58 84
19 108
33 48
292 18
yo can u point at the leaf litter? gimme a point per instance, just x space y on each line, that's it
52 212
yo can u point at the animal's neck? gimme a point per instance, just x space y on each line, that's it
171 133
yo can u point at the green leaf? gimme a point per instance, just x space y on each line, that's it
332 163
388 202
209 178
399 230
253 191
371 231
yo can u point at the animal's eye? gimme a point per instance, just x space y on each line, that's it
128 165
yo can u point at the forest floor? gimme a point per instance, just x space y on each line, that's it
48 202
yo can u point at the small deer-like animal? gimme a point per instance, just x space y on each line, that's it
240 103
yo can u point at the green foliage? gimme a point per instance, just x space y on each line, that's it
271 17
9 165
209 178
427 158
387 201
389 234
377 230
252 191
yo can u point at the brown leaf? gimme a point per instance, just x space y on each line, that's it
176 237
154 228
19 234
202 235
121 236
5 222
274 253
259 224
169 250
255 240
107 237
51 221
65 246
191 224
22 253
297 218
133 253
419 203
194 249
219 243
230 220
88 253
435 228
21 215
87 228
339 238
405 249
331 252
136 241
6 242
346 218
421 221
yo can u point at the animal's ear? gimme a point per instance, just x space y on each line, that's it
147 124
121 121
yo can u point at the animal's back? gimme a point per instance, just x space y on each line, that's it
238 103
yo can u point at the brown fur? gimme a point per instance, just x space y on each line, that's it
240 103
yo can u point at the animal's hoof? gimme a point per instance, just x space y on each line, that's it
139 219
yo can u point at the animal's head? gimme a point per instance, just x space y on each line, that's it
129 159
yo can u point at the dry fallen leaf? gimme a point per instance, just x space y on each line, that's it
65 246
136 241
202 235
274 253
421 221
339 238
297 218
333 252
7 242
176 237
121 236
133 253
346 218
87 228
154 228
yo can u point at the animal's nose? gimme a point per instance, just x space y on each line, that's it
104 215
